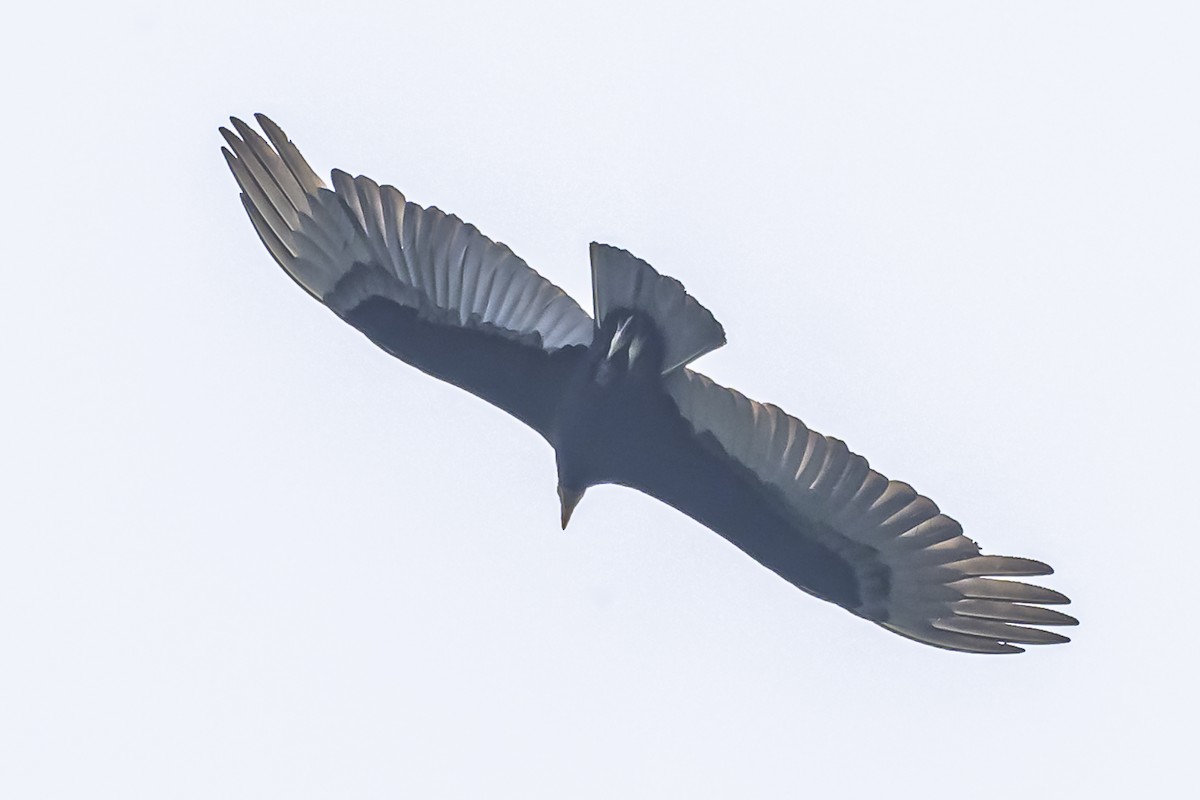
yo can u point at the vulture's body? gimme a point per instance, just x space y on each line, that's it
613 395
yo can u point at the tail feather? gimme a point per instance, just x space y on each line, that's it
621 281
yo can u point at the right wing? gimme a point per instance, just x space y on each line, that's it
803 505
423 285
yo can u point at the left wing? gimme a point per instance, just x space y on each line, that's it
425 286
806 507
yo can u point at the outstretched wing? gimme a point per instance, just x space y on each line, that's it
803 505
423 285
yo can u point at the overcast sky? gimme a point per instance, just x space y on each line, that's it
244 553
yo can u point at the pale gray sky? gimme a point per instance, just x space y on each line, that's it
246 554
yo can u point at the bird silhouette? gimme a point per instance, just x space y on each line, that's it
613 395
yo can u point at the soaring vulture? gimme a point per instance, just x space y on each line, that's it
613 396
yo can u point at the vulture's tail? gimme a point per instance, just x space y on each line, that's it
620 280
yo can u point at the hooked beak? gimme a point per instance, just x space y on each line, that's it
568 498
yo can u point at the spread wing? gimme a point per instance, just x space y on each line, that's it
803 505
422 284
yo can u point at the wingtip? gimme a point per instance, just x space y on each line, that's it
244 130
266 122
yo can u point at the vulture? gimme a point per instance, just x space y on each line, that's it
612 393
